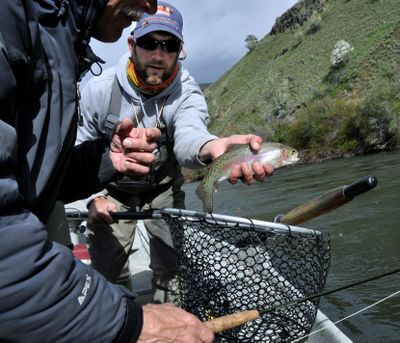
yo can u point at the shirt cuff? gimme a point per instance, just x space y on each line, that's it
133 324
92 197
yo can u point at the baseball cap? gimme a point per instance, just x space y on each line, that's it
167 18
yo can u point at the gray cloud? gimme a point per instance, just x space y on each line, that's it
214 33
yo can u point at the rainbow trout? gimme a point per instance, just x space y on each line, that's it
276 154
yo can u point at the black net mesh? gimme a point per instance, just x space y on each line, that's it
226 269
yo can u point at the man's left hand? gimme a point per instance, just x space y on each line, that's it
131 149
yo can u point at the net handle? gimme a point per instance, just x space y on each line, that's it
220 219
126 215
328 201
231 321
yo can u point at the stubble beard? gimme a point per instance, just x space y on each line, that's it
151 79
133 13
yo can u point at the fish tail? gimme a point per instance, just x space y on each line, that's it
205 193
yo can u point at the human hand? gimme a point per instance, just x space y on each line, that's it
170 324
131 148
100 210
215 148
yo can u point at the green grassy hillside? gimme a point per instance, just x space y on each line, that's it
287 90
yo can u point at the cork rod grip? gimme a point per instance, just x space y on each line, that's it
231 320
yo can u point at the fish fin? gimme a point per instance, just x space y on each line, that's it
206 196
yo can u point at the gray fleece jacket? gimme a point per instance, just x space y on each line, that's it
185 111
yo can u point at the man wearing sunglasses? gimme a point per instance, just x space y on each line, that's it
150 86
47 295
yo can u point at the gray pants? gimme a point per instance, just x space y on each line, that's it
110 245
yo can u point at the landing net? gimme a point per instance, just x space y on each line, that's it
231 264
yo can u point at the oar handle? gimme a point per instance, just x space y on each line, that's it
360 186
231 321
328 201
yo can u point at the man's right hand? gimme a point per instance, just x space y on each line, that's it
170 324
100 210
131 149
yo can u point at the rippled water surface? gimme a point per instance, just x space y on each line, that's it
365 233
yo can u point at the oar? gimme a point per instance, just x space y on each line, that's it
328 201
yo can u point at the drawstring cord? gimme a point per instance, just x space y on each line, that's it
159 112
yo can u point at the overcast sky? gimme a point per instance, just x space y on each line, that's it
214 33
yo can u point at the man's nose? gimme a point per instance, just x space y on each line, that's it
158 51
150 6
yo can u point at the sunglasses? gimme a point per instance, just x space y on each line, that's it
149 43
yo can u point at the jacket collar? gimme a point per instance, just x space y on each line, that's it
81 17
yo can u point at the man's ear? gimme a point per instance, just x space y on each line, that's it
131 44
182 54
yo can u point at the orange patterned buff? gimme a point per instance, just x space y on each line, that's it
137 82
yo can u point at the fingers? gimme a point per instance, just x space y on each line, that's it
150 134
141 140
253 140
168 323
242 171
249 173
137 162
124 127
100 211
131 148
143 158
268 169
135 144
132 166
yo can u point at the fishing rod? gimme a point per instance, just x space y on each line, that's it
231 321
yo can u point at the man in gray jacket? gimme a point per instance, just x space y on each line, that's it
150 86
47 295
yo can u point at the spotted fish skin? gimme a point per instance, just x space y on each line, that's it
275 154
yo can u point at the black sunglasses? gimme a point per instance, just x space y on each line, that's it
149 43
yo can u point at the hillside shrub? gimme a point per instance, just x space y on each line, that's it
315 23
298 38
277 97
332 127
251 42
340 53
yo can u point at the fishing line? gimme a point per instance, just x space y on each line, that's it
349 316
143 238
295 302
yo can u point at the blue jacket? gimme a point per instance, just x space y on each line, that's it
45 294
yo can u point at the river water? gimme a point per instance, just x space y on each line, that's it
365 233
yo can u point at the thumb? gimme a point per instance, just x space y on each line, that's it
124 127
255 142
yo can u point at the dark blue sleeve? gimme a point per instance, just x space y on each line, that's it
48 296
90 169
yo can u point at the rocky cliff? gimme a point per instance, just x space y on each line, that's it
297 15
